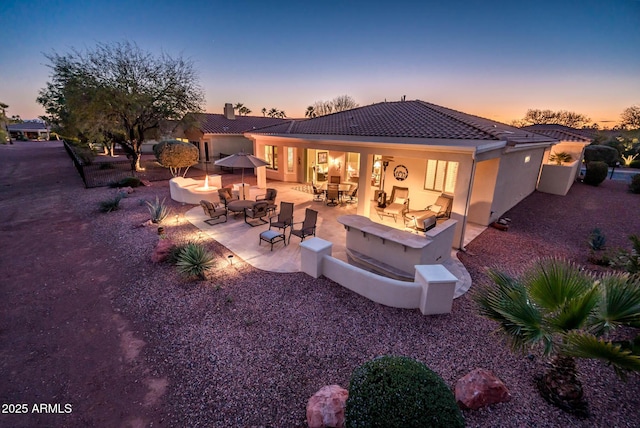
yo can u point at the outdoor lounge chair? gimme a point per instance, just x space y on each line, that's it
333 194
440 209
308 227
284 218
214 211
258 211
397 205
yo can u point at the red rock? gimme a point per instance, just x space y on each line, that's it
162 250
480 388
326 407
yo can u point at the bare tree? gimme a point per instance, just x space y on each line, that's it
631 117
339 103
561 117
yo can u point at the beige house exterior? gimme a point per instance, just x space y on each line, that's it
488 167
558 179
224 133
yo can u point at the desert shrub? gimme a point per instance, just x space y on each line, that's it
601 153
560 158
158 210
176 155
635 164
111 204
394 391
194 260
634 186
629 260
596 173
127 182
597 240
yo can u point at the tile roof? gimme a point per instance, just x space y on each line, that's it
406 119
563 133
28 126
218 123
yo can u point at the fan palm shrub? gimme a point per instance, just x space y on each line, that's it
567 313
560 158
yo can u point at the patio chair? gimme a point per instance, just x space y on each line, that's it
318 195
308 227
284 218
440 209
397 205
258 211
226 196
269 197
352 194
333 194
214 211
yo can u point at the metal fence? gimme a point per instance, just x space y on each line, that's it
106 172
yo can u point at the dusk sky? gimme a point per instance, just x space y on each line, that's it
495 59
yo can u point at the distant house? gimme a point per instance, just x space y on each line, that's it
224 133
29 130
487 166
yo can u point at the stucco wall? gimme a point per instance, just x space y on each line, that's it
517 178
482 194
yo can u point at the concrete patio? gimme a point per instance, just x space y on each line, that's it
243 240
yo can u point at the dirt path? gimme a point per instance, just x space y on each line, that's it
61 343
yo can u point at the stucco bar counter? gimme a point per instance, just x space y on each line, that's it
388 251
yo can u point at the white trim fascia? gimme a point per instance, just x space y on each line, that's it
432 144
527 146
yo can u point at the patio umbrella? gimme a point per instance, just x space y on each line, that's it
241 160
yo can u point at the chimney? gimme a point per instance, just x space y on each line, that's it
228 111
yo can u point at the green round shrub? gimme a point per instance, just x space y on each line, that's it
394 391
176 154
634 186
596 173
601 153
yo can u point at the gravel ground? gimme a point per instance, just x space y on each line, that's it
247 348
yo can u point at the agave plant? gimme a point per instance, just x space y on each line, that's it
158 210
194 261
569 313
111 204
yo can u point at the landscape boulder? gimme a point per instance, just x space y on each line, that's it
162 250
480 388
326 407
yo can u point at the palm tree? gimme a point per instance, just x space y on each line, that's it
243 111
310 113
238 106
264 111
569 313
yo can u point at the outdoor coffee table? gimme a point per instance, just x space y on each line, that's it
272 237
238 207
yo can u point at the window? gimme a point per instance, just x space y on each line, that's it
441 176
290 159
271 156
